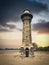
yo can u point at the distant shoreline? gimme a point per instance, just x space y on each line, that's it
9 50
2 51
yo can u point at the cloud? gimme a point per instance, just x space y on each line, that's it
4 28
11 10
38 6
10 26
42 27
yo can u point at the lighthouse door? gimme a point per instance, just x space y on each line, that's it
27 52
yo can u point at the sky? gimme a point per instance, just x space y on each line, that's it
11 25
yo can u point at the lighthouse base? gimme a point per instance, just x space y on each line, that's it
27 51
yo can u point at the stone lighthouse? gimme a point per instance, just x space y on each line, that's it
26 34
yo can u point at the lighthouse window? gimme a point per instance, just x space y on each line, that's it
26 36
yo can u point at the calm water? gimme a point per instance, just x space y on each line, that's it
9 50
19 50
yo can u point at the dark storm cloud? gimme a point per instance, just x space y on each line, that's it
42 27
4 28
38 6
10 10
7 27
11 26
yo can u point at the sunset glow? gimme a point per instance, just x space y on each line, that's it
14 39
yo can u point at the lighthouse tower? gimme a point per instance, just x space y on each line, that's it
26 34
